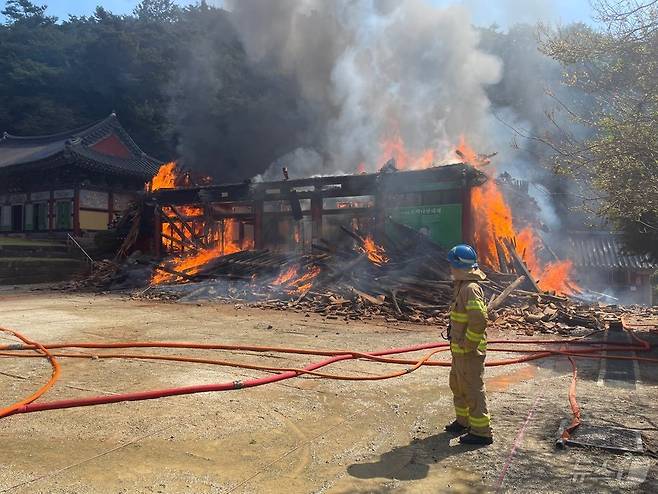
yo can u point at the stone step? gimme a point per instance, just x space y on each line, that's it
39 249
28 270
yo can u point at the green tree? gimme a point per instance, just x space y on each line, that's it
24 11
157 11
616 67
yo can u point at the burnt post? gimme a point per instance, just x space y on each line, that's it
157 233
316 216
258 223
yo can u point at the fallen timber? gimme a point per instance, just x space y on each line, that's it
338 281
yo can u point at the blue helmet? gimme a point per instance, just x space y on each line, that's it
463 256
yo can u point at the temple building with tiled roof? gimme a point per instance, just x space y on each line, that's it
601 259
75 181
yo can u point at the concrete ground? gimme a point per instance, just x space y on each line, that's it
300 435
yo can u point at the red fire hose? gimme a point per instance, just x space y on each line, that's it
27 406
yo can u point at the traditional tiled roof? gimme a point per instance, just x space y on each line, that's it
82 146
604 250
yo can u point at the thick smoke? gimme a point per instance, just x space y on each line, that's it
327 87
231 118
373 72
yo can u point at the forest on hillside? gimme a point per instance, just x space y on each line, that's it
182 83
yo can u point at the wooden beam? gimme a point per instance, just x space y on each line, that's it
175 228
502 258
316 216
520 266
497 302
258 207
186 226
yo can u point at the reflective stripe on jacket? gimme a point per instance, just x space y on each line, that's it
468 315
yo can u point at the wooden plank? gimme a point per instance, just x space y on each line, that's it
502 258
497 302
520 266
354 235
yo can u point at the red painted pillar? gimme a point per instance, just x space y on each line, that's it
110 207
76 211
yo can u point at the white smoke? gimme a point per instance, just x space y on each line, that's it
374 71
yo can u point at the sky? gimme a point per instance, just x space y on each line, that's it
485 12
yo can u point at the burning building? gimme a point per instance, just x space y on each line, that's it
447 204
293 214
74 181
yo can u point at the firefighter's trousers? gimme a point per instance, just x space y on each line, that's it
467 385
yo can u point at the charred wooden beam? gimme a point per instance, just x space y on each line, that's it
186 226
177 230
520 266
186 276
358 238
498 301
502 258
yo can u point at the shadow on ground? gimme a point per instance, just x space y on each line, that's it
410 462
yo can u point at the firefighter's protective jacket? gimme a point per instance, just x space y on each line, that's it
468 315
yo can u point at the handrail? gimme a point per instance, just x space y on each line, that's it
91 261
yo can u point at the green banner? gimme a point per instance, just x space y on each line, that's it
441 223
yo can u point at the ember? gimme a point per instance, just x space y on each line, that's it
285 276
293 284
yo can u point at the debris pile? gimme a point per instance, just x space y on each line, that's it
400 277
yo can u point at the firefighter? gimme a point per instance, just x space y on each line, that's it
468 346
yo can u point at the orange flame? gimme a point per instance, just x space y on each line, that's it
493 221
165 178
294 284
305 282
465 152
375 253
192 263
395 148
285 276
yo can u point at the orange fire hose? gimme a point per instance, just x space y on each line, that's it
532 354
575 408
228 363
43 389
